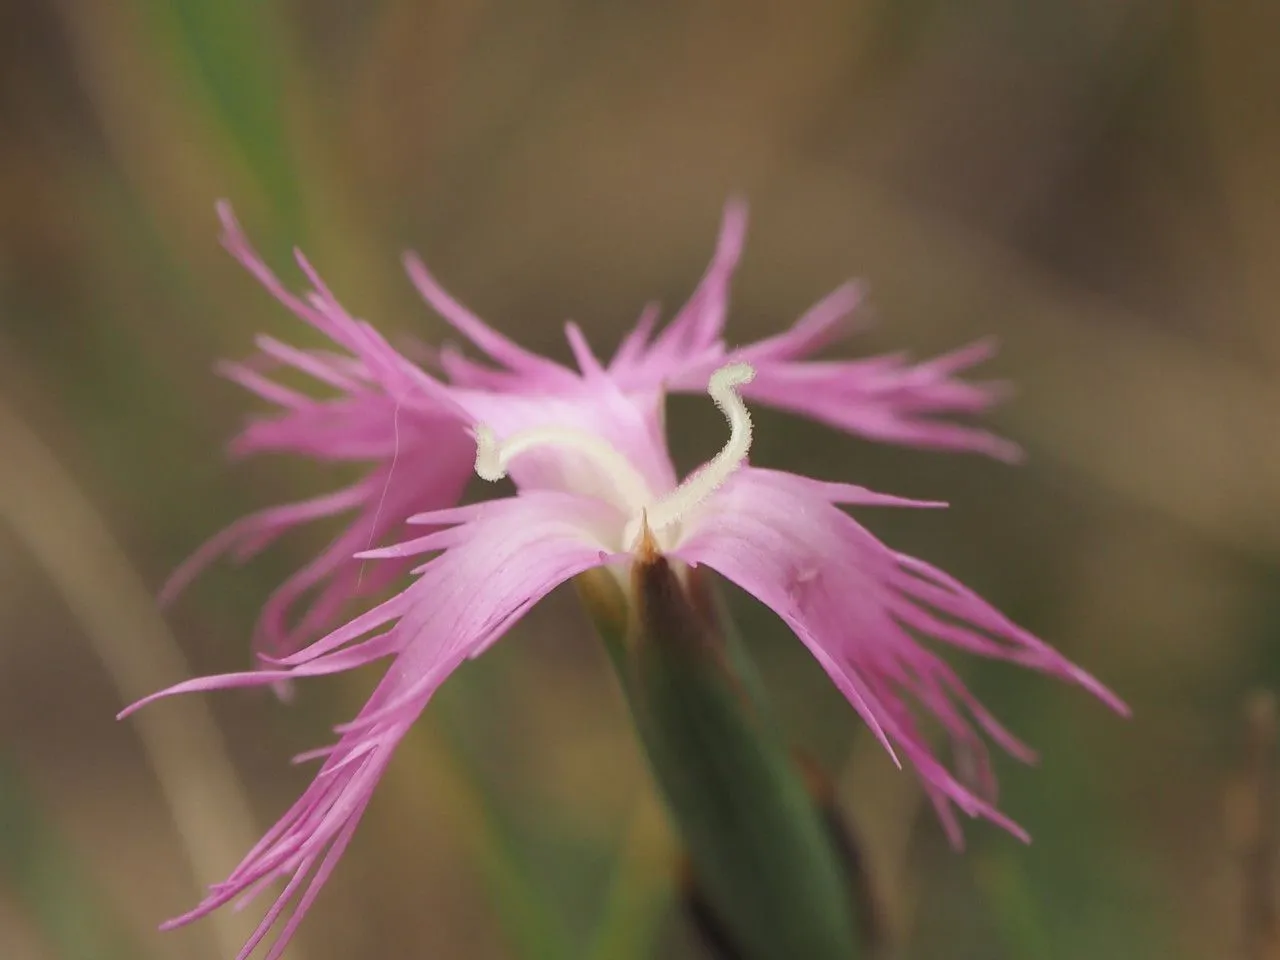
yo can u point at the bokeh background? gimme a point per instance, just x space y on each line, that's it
1095 183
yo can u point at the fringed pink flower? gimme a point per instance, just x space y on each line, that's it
595 487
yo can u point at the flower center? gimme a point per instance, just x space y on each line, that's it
493 456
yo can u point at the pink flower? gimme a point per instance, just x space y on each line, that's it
595 487
597 491
379 409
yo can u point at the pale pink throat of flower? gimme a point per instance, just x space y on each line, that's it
646 511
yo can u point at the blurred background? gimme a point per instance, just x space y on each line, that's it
1092 182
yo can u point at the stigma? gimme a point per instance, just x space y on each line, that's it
653 519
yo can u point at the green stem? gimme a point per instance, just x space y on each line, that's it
761 853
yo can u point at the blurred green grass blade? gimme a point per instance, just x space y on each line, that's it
530 924
531 927
636 899
1078 881
1017 915
225 51
37 864
632 919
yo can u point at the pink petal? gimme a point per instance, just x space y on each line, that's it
817 328
262 386
634 343
850 600
881 398
516 552
583 355
894 406
325 370
694 332
831 492
238 245
254 532
465 372
500 348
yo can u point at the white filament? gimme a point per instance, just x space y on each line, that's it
494 456
703 482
